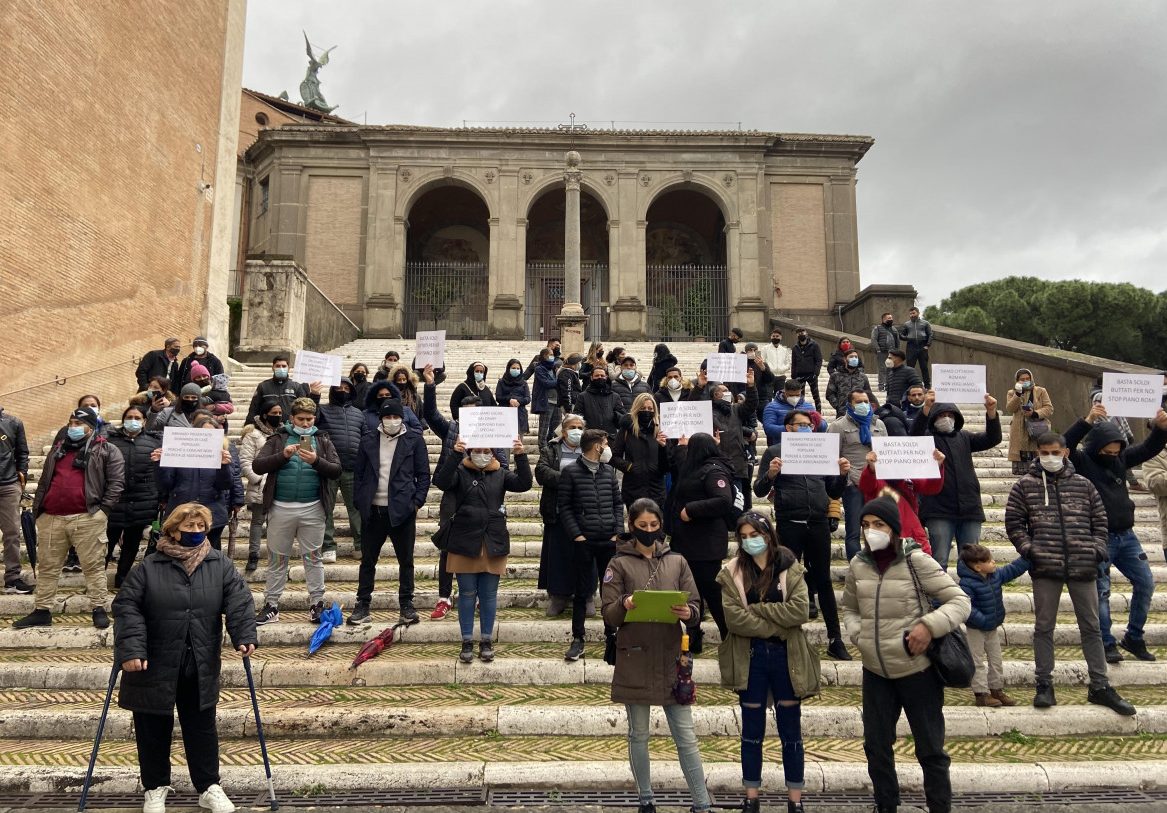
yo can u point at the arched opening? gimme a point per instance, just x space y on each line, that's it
447 253
545 246
687 291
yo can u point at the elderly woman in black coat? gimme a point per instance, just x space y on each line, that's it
168 639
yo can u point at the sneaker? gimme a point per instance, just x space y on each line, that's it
359 614
409 613
486 650
215 800
268 615
838 650
1112 654
156 800
315 611
751 805
100 618
556 606
1136 648
252 564
1111 699
575 651
1003 698
328 557
1044 698
467 653
440 609
18 586
794 807
37 618
648 808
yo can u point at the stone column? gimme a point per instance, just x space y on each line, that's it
273 310
385 256
571 319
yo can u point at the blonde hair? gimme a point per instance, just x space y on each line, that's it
182 513
637 407
301 405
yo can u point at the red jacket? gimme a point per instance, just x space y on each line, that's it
909 490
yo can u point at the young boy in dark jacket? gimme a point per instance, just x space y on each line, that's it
982 581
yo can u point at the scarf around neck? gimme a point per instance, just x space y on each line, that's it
189 558
864 424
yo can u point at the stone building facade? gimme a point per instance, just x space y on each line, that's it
683 233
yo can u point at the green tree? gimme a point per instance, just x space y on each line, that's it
698 313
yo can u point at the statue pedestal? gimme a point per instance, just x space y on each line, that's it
571 321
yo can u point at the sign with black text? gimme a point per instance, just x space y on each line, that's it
686 418
488 427
186 448
430 349
959 383
905 458
320 367
810 453
1131 395
726 367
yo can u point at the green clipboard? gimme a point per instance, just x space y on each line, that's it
655 606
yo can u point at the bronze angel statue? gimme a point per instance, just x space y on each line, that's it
310 95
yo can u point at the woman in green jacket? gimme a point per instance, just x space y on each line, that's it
766 653
893 622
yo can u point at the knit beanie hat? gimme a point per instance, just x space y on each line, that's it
885 508
86 414
391 407
190 389
199 371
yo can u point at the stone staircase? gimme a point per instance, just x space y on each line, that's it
417 718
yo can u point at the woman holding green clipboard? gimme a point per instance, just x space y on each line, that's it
647 650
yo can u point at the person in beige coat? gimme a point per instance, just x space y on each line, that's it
254 435
1026 402
646 653
1155 479
893 624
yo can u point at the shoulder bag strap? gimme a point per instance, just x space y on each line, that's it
921 593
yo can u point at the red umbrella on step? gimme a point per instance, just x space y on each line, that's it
377 645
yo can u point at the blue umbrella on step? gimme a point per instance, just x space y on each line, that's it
329 620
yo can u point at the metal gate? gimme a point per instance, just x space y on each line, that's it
545 298
687 302
447 296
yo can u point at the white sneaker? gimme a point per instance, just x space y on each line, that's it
328 556
156 800
215 800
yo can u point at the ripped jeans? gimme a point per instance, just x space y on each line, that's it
770 675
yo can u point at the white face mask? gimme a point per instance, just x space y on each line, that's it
794 401
606 455
888 363
727 397
391 426
1051 463
480 459
945 425
674 383
877 540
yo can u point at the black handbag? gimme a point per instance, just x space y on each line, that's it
950 654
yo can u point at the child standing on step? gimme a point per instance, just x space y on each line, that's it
982 581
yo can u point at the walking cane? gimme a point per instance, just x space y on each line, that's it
271 788
113 676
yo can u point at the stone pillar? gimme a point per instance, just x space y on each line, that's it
571 319
506 273
628 283
273 309
385 270
842 241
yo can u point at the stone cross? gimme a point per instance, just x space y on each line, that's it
573 128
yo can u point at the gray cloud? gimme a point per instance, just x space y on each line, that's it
1011 138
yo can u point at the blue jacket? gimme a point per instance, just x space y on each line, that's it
774 418
217 489
546 382
988 606
409 475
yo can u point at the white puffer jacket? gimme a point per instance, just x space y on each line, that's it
250 442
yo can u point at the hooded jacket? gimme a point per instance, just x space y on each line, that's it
139 501
516 388
1109 474
471 387
1057 522
662 362
345 424
568 387
646 653
1037 398
729 420
960 498
775 412
160 608
544 392
878 610
373 408
707 496
480 518
250 442
764 620
601 407
988 605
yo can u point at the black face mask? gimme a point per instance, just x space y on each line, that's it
645 419
802 339
360 378
647 538
775 341
338 397
888 322
274 420
189 406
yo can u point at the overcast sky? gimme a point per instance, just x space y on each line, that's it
1011 138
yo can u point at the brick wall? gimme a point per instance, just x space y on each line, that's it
800 249
104 231
332 250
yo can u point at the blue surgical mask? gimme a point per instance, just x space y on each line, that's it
133 426
192 539
515 372
280 372
479 376
804 428
304 431
754 545
862 410
76 433
853 361
628 374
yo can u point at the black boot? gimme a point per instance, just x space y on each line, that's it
751 805
696 640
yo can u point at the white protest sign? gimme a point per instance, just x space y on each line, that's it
959 383
488 427
905 458
810 453
1131 395
686 418
320 367
726 367
430 349
185 448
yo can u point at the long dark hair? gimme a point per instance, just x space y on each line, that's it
758 579
701 449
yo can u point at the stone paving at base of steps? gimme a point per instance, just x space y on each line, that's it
770 807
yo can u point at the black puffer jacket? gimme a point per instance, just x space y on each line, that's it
471 387
159 608
547 475
600 407
139 501
1057 522
960 498
589 504
643 461
797 497
707 496
730 420
1109 474
345 424
480 518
